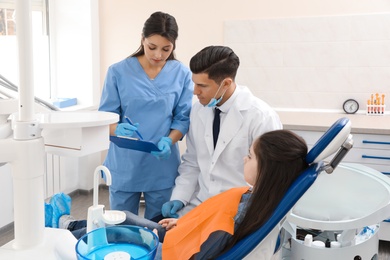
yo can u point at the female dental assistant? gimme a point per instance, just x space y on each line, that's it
154 90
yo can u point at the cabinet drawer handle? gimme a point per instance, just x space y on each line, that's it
374 142
375 157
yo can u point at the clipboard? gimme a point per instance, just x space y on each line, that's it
134 144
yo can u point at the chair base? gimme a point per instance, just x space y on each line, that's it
366 250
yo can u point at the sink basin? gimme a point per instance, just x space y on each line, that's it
118 242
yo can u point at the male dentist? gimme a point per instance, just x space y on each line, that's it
223 124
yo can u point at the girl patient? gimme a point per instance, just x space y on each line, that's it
274 161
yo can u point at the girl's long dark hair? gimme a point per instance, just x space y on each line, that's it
162 24
280 156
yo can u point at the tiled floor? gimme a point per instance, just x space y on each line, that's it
82 200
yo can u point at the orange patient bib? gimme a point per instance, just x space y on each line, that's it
193 229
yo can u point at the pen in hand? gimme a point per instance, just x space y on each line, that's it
131 123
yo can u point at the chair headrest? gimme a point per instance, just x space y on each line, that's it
330 142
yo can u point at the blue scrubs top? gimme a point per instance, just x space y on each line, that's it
158 105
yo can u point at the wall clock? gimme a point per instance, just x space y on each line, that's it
351 106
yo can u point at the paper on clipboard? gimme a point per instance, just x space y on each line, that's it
134 144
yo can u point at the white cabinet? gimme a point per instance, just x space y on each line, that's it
373 151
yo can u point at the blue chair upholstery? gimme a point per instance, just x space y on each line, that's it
329 143
324 145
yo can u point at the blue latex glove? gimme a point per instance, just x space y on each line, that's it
165 146
170 208
125 129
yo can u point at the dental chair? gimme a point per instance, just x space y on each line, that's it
264 242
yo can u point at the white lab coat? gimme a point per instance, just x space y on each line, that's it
205 172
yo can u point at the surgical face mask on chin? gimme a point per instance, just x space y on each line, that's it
213 102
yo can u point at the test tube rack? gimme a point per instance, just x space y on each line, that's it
376 105
378 110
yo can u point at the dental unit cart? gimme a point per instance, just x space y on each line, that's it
25 151
31 237
344 210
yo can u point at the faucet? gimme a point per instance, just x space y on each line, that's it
97 216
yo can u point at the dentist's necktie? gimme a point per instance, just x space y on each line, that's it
216 124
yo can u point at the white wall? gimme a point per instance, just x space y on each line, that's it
201 22
313 63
